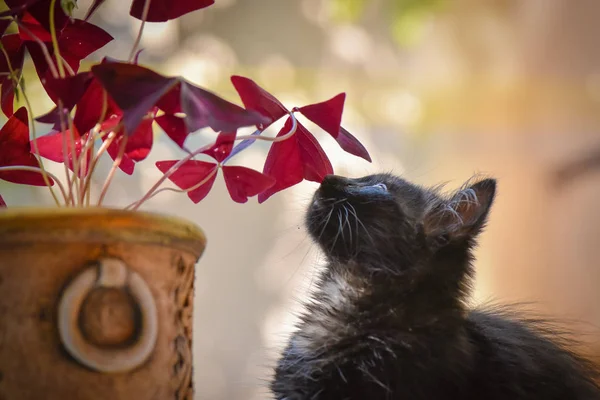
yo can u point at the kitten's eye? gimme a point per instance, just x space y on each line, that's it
380 186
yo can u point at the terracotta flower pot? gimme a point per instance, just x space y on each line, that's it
96 304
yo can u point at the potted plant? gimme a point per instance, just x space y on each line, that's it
97 301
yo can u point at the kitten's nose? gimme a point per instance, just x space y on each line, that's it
334 181
333 185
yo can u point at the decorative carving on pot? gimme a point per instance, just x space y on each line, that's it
117 330
96 304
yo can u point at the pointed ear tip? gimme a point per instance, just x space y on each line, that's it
487 185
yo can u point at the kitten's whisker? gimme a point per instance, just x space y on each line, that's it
341 221
353 211
347 223
338 232
325 224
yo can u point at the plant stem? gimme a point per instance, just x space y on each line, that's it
75 159
191 155
113 169
139 35
65 150
36 169
111 137
61 70
67 66
42 46
135 205
17 84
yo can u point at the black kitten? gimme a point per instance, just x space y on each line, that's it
389 319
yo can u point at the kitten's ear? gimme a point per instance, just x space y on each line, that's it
463 216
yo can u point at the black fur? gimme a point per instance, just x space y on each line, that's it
389 319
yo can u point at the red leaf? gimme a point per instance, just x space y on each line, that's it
256 98
39 10
293 159
70 42
170 103
327 115
164 10
244 182
2 203
174 127
205 109
89 107
351 144
8 96
51 146
69 90
127 165
79 39
140 143
16 52
134 89
315 161
283 163
189 174
15 150
222 147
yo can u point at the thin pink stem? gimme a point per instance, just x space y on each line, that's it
139 35
135 205
75 160
113 169
111 137
65 149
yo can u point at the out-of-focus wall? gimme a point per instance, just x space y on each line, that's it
503 87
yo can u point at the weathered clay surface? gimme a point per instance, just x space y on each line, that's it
37 261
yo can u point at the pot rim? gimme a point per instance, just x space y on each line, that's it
99 224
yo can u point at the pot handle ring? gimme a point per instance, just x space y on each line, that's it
110 273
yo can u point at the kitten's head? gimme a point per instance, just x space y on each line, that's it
383 217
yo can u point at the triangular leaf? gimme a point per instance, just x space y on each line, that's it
244 182
205 109
256 98
13 46
327 115
90 107
164 10
69 90
351 145
316 165
174 127
15 150
222 147
127 165
52 147
134 89
140 143
284 164
189 174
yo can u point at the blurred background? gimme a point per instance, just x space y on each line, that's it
437 90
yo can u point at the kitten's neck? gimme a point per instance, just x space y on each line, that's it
351 301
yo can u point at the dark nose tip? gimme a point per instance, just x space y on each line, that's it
333 186
334 182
